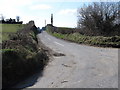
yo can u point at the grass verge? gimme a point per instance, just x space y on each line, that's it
113 41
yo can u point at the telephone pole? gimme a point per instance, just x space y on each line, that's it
2 18
45 22
52 19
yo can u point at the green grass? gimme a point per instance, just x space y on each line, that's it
11 27
7 29
5 36
113 41
4 50
0 37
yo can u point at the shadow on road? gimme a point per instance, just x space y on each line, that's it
30 81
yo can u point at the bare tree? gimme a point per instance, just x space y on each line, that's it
99 18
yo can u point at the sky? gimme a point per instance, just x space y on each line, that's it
64 11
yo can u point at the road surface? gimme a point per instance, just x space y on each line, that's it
82 66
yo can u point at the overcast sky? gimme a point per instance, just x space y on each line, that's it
64 11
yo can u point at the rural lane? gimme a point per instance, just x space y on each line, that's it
82 66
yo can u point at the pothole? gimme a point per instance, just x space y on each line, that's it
58 54
66 65
64 81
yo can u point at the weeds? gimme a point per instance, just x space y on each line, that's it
113 41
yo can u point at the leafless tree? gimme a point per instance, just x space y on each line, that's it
99 18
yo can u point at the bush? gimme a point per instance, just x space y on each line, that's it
21 56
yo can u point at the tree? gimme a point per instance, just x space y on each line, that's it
99 18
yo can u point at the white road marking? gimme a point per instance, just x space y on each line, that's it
49 39
59 44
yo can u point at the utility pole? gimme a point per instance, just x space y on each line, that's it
17 18
45 22
2 18
52 19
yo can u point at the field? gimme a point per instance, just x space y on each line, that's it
7 29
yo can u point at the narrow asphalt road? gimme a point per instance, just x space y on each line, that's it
81 67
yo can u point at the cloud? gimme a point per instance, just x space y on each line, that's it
40 6
12 8
15 3
67 11
76 0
